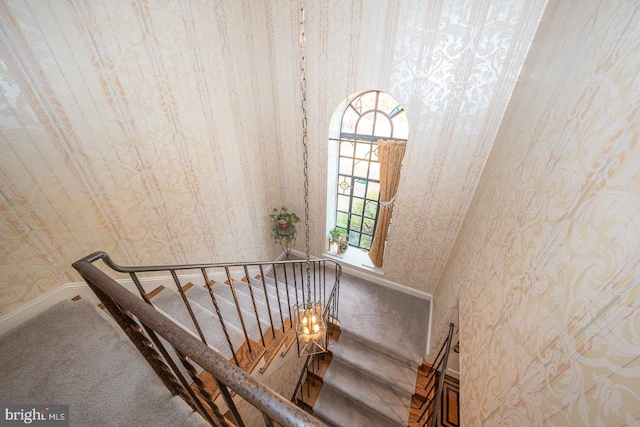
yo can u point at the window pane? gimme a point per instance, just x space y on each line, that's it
361 168
357 206
341 219
365 243
368 226
374 171
344 185
349 120
373 191
365 125
346 148
356 222
363 150
383 126
354 238
386 102
370 210
369 101
346 166
359 186
343 203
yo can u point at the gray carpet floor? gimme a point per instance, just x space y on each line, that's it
372 375
71 355
384 316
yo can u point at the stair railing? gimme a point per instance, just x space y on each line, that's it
145 327
324 274
435 383
302 379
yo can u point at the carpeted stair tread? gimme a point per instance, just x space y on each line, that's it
382 365
338 410
281 291
170 302
400 355
244 296
368 391
227 306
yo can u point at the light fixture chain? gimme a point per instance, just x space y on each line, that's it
305 148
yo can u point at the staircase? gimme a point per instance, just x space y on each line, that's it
367 384
371 379
247 319
213 314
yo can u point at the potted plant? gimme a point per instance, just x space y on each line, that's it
283 224
339 237
284 218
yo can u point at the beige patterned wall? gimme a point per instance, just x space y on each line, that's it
137 128
547 264
164 132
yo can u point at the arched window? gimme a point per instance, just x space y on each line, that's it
355 174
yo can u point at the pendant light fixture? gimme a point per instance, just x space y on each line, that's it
311 327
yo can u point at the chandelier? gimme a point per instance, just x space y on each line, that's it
311 327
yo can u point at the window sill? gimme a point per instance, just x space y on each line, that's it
354 257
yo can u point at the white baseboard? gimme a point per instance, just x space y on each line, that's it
69 290
40 304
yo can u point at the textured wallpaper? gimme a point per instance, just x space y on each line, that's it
547 264
136 128
164 132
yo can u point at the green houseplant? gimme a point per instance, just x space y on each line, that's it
339 236
283 223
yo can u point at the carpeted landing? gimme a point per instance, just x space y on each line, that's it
372 375
95 370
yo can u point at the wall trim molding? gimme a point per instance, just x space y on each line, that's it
39 304
69 290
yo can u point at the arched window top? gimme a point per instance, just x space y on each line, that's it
374 115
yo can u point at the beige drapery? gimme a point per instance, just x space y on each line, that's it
390 155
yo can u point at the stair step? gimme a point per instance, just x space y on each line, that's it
369 391
401 356
339 410
244 296
310 391
382 365
172 304
272 291
320 365
227 306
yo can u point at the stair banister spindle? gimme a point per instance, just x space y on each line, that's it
438 383
443 372
266 298
202 389
208 284
255 307
187 305
286 284
239 310
295 283
169 360
233 410
275 278
143 293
